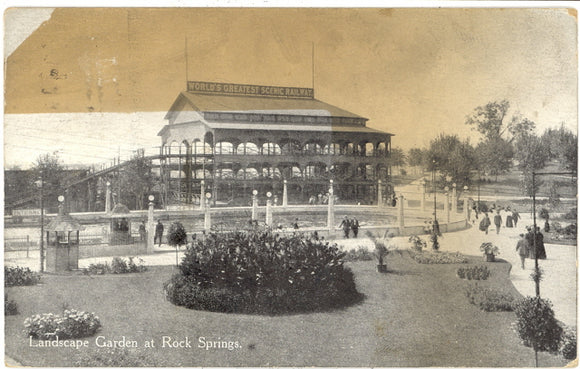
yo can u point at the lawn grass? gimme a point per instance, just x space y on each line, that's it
414 315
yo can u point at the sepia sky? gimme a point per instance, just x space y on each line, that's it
412 72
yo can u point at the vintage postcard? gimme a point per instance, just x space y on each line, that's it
290 187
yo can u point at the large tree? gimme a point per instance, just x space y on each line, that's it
488 119
135 181
416 157
398 157
494 157
48 170
562 144
452 158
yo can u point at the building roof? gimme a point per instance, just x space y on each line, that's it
298 128
64 223
259 104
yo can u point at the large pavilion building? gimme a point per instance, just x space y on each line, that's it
233 139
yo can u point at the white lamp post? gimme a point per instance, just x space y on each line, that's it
330 217
40 185
285 194
254 204
207 217
150 225
269 209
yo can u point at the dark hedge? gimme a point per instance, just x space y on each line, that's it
263 273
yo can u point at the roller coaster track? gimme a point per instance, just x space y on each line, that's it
73 181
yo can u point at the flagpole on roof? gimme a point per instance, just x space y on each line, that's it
312 65
186 65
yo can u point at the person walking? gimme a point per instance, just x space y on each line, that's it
509 220
485 223
497 221
142 231
516 217
529 236
345 225
522 249
354 227
540 248
158 232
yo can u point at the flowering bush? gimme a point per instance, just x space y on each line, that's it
262 272
568 345
474 272
17 276
489 249
73 324
537 326
418 244
488 299
437 257
118 266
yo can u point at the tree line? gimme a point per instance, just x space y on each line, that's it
503 145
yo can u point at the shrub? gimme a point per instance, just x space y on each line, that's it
118 266
537 326
568 347
544 214
489 249
475 272
114 358
17 276
262 272
359 254
417 243
10 306
177 235
572 214
438 257
99 268
73 324
488 299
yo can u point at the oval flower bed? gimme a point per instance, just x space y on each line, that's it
72 324
262 272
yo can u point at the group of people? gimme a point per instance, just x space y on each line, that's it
348 225
525 246
321 199
511 220
158 232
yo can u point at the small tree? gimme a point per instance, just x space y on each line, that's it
381 250
177 237
536 325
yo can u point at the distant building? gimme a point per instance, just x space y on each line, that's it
237 138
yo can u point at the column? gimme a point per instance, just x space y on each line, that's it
285 194
447 208
380 193
108 198
401 216
150 226
207 214
454 199
202 195
330 217
466 208
254 204
423 197
269 210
